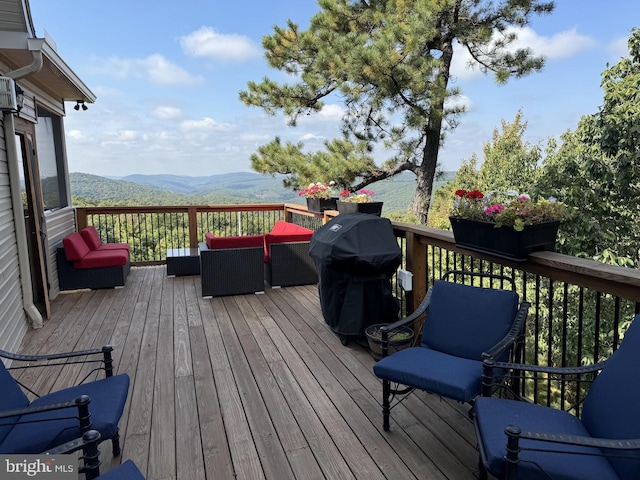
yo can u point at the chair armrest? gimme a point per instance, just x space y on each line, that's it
489 366
410 318
79 402
105 351
608 443
88 443
512 335
88 438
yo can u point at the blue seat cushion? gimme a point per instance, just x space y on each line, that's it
126 471
108 397
493 415
433 371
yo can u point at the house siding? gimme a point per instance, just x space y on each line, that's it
58 225
13 321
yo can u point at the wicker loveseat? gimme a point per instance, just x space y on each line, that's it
80 266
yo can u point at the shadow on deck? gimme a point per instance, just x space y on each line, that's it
250 387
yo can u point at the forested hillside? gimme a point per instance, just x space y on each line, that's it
241 187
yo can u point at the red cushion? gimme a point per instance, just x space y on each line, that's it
114 246
91 237
75 247
216 243
103 258
283 232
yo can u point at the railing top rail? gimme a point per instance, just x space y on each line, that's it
183 208
620 281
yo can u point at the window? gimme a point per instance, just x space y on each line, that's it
51 159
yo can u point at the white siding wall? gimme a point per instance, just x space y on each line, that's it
13 322
59 224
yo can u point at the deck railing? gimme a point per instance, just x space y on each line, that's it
580 308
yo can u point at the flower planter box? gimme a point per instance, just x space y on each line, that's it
374 208
504 242
399 339
318 205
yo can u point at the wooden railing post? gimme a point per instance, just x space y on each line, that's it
81 218
417 264
193 227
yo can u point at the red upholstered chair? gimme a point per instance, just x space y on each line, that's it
231 265
80 267
94 242
286 256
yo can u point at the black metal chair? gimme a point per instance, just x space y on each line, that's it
463 324
30 427
90 459
523 440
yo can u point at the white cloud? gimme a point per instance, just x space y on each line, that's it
332 113
458 101
155 67
167 113
206 42
310 136
206 124
561 45
76 135
619 48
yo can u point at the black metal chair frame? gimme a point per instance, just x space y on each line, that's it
513 337
492 383
81 404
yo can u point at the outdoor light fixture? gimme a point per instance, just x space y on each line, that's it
19 98
80 103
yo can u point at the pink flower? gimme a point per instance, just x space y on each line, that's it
493 209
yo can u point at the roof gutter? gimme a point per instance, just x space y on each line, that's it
35 47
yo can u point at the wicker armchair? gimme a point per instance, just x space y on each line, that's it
287 260
231 265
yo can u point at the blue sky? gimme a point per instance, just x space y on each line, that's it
167 76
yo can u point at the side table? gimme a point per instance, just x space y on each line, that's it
183 261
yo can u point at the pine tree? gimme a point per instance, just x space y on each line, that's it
389 62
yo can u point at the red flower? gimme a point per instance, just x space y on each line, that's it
475 194
345 193
461 193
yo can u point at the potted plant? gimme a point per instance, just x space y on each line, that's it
399 339
319 197
507 225
360 201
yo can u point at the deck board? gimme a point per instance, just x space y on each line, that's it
247 387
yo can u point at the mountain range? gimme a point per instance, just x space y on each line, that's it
239 187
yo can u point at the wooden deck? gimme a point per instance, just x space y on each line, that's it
249 387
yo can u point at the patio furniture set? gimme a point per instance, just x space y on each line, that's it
470 336
239 265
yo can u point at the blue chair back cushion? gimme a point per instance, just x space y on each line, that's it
108 397
126 471
12 397
466 321
612 406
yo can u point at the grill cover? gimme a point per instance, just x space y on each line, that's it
356 255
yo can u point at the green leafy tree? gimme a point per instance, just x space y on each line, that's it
389 62
597 170
509 163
